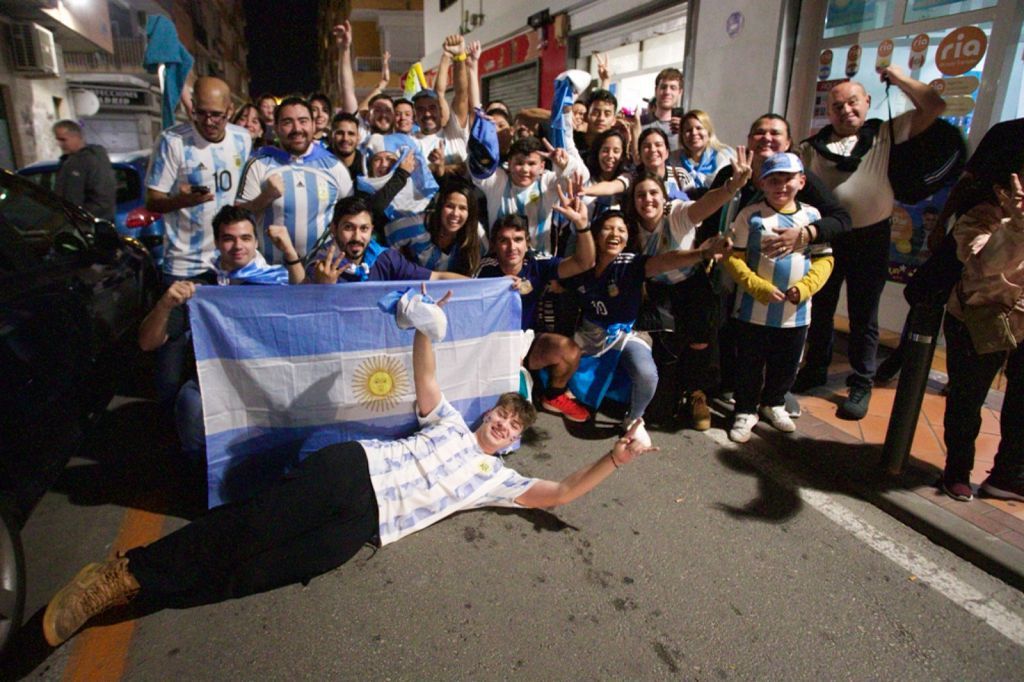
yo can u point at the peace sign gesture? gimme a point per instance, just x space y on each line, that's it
328 270
741 169
570 203
558 156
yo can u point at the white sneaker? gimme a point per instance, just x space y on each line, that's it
778 417
640 435
742 425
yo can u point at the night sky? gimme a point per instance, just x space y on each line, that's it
282 46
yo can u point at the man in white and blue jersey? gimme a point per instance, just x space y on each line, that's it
340 498
296 185
194 172
773 307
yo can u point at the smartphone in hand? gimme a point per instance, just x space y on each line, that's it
200 189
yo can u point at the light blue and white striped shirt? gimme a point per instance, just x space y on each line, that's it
313 183
436 472
182 155
752 224
675 231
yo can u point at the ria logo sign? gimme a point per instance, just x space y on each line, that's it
961 50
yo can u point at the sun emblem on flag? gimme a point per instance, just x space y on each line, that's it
379 382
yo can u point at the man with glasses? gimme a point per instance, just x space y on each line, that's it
296 185
194 171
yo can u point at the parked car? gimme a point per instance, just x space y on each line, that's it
72 292
132 219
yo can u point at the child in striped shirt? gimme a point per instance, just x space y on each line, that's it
773 307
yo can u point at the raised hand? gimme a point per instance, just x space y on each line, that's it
570 203
604 72
741 168
558 156
473 53
454 45
178 293
385 70
440 303
343 35
279 237
328 270
436 157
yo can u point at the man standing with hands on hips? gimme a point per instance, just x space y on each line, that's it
851 155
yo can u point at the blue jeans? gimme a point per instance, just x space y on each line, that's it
638 361
970 377
188 420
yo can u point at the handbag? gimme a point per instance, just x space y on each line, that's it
988 325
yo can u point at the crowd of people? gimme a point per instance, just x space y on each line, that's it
637 236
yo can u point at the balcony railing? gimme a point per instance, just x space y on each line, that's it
373 64
127 58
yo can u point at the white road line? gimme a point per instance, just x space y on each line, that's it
969 598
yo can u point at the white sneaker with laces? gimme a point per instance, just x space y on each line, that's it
742 425
778 417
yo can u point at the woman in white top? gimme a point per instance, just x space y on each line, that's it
700 155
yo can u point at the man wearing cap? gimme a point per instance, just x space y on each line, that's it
443 127
296 185
851 155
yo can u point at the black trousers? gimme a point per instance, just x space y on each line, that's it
862 260
767 364
310 522
970 377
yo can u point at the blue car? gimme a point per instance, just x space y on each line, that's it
132 219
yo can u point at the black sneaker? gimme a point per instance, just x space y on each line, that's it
856 404
1003 490
808 378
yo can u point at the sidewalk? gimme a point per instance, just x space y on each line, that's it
985 531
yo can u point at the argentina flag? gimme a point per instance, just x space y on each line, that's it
285 371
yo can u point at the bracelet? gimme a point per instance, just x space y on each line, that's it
806 230
611 456
293 262
581 231
461 57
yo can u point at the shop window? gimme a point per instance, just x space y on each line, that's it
854 16
1013 107
919 10
635 66
960 90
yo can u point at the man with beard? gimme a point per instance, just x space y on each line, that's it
443 127
353 255
294 186
345 143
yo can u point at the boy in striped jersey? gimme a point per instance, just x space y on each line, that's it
340 498
773 308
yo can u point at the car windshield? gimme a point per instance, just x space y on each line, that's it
129 184
34 215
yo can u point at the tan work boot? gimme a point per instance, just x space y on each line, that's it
700 411
96 588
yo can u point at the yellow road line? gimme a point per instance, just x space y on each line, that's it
100 653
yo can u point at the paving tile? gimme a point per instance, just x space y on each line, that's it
874 427
989 421
970 512
1009 506
881 401
1014 538
934 408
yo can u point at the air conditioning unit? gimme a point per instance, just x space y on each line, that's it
34 50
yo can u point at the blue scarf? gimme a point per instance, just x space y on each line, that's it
705 169
255 271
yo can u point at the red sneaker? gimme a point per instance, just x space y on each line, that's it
567 407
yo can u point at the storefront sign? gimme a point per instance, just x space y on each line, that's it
884 57
522 48
117 97
819 119
824 64
853 61
961 50
918 51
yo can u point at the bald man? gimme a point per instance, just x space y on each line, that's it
851 155
194 171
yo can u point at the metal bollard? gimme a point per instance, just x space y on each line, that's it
925 322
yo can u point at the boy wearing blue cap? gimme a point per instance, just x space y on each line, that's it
773 308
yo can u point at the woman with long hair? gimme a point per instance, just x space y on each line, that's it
701 154
681 300
452 239
653 151
248 116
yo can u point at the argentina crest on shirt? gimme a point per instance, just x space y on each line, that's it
285 371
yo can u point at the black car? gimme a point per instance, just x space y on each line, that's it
72 292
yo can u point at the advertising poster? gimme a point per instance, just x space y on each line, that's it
911 225
819 119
